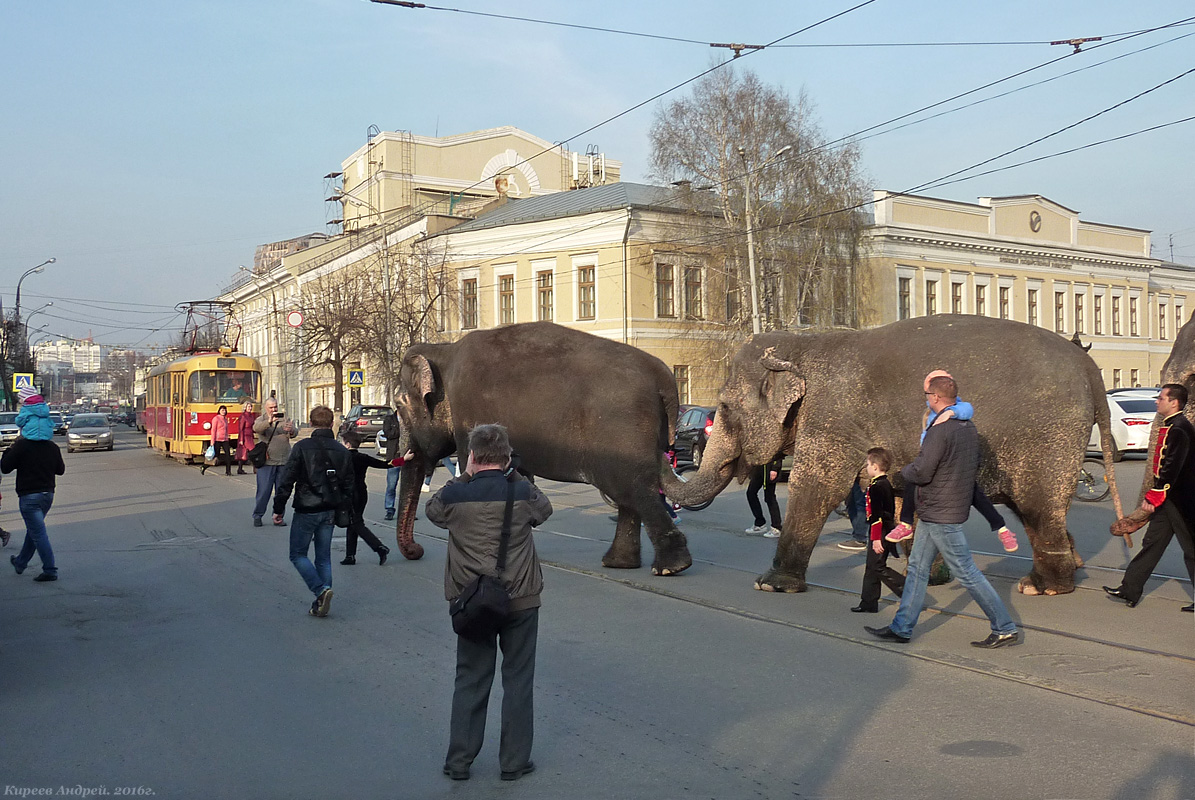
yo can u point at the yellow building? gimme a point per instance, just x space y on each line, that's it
1029 259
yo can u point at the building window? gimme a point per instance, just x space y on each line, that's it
981 300
734 300
1132 316
442 314
1117 382
693 308
931 298
586 293
1079 314
1033 306
1116 315
1178 317
1097 315
904 303
665 290
1135 377
1005 303
956 298
681 373
469 303
506 299
1059 312
1162 309
543 289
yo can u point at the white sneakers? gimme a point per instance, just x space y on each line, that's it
772 534
767 531
426 488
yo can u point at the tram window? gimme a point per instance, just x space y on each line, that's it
222 387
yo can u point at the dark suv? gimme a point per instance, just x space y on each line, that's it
366 420
692 432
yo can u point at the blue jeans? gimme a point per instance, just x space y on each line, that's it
856 511
931 538
392 487
304 528
34 508
268 478
448 465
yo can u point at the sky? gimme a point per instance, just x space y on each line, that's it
148 147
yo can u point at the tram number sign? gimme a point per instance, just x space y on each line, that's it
356 377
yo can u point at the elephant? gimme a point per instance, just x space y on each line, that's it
579 408
826 397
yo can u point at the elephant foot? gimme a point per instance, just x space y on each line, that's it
672 555
1034 585
621 560
776 581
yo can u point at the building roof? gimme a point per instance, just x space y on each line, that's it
610 197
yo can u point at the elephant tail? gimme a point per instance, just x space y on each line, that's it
1103 419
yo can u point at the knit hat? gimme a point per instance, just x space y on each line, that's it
34 399
25 392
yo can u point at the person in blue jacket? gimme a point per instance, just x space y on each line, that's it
34 419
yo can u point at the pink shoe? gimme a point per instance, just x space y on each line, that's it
899 533
1008 539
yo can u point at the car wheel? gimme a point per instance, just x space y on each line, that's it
1117 453
70 449
697 453
109 448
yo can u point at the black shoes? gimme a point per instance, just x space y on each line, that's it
241 471
866 609
389 514
322 603
457 774
1119 594
385 551
257 522
887 634
203 469
995 640
348 561
1189 609
13 560
514 775
44 577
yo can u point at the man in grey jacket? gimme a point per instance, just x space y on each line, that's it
472 509
273 428
944 473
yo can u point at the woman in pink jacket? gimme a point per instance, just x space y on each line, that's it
245 437
220 441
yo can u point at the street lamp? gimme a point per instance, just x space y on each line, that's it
37 311
755 325
32 271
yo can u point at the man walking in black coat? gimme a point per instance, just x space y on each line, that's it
1171 501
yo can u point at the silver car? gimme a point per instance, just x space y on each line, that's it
8 428
89 432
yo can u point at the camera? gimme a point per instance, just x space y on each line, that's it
278 415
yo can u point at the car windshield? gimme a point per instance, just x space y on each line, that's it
374 412
1138 406
8 419
90 421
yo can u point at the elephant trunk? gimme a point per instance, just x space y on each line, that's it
410 482
717 469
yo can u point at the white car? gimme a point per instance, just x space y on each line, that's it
9 432
1133 412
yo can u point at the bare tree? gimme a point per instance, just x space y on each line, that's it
332 333
735 132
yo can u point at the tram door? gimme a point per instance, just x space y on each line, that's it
176 409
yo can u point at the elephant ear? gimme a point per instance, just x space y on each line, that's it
422 379
781 387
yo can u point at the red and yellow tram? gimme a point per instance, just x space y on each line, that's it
183 395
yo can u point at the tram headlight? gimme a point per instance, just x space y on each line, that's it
207 426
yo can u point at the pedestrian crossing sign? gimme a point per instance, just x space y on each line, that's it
356 377
22 380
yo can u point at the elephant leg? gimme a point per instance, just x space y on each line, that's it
811 498
1054 557
671 548
624 550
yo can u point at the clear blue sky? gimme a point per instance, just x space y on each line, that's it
149 146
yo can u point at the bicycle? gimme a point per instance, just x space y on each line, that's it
1092 484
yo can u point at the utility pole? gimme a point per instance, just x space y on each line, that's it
755 326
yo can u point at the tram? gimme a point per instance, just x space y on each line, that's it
183 395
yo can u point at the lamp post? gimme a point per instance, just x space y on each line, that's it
343 197
31 271
756 328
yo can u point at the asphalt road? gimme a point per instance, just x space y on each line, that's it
175 656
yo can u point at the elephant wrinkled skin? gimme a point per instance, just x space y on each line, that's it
578 407
827 397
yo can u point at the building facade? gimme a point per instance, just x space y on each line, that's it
1029 259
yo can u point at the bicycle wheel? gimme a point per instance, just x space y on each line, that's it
700 506
1092 484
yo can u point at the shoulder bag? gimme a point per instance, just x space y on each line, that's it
484 604
259 452
343 505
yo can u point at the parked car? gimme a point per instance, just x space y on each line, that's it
692 432
59 421
1132 411
8 428
366 420
89 432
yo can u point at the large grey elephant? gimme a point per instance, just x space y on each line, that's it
828 397
579 408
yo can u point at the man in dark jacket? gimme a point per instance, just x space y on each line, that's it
37 462
391 432
320 472
1171 501
472 508
944 472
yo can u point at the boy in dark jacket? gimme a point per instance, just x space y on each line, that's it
880 504
320 472
37 463
357 528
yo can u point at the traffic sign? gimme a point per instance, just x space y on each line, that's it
294 319
22 380
356 377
